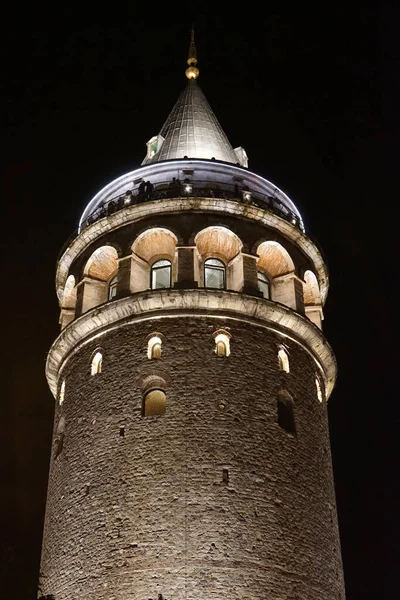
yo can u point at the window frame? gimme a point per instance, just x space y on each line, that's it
145 396
222 340
320 392
221 267
61 395
283 360
266 280
96 367
154 347
112 287
154 269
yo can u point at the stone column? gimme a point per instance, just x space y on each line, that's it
315 314
66 316
124 276
234 274
90 293
185 275
250 284
140 274
288 290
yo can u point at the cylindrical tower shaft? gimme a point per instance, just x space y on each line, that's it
191 455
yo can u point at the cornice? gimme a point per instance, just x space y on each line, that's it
169 303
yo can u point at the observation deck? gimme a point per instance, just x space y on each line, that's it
190 177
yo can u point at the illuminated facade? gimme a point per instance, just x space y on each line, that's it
191 454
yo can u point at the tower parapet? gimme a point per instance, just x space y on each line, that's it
191 446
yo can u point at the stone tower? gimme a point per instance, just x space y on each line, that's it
191 456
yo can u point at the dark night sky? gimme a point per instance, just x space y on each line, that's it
311 93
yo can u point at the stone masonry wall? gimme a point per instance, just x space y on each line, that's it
201 503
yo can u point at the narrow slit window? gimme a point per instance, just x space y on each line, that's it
97 363
154 403
59 437
222 345
161 272
285 407
264 285
154 347
214 274
319 390
62 393
283 358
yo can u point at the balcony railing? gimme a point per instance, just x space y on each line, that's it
187 188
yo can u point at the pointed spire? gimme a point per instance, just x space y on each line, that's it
192 71
192 58
191 130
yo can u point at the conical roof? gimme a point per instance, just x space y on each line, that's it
192 130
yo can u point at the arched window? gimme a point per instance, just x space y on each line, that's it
286 412
112 287
319 390
263 284
97 362
154 403
154 347
214 274
62 393
222 345
99 271
161 274
283 358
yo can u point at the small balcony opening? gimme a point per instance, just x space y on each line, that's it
283 358
97 363
154 347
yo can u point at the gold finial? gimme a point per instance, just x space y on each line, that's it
192 71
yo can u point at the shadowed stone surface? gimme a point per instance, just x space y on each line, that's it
147 513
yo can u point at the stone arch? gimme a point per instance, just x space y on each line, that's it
216 224
150 247
222 343
220 243
155 243
153 396
312 295
69 294
154 346
68 303
140 233
102 264
96 363
312 299
275 261
99 270
283 360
